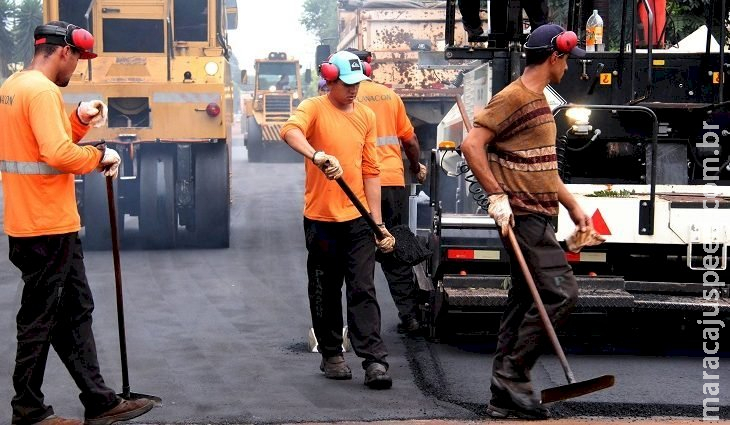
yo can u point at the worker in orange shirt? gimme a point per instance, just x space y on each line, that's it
337 136
38 158
395 130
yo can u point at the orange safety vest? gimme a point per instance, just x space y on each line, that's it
39 157
393 126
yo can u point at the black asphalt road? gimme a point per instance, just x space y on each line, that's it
220 336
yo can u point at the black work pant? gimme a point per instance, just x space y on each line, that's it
55 310
401 281
344 251
521 333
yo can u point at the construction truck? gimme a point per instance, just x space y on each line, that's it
277 93
643 143
406 40
163 71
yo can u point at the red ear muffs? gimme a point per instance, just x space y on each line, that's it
367 69
565 42
329 71
81 38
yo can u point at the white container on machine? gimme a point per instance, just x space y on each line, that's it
594 33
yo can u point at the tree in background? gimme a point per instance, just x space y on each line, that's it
683 18
320 18
6 38
27 16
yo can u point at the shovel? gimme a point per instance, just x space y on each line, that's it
573 388
126 393
408 249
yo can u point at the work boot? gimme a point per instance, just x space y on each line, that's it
409 326
124 411
511 398
335 367
57 420
377 378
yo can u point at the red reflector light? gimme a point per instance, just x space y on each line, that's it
572 257
460 254
213 110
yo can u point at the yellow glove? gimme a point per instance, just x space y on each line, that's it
386 244
93 113
328 164
421 174
576 241
501 212
109 164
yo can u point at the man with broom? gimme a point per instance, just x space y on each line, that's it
511 151
337 137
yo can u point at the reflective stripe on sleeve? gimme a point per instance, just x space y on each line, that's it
19 167
388 140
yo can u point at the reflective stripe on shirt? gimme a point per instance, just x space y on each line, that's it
19 167
388 140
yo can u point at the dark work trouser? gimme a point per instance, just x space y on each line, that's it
401 281
346 251
521 333
55 310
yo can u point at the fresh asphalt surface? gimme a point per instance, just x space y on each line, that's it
220 336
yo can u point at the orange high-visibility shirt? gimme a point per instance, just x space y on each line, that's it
349 137
39 157
393 126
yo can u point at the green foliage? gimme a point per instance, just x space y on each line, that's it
6 37
683 17
610 193
28 16
320 18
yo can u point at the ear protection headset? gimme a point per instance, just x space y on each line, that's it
562 43
330 72
73 36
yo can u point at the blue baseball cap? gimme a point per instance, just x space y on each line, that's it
350 67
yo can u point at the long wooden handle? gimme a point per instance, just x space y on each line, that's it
540 307
360 207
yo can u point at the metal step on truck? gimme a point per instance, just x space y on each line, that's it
648 158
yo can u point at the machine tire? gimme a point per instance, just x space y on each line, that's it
157 215
254 141
212 195
97 231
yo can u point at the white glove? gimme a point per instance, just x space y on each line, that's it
327 163
93 113
109 164
421 174
386 244
501 212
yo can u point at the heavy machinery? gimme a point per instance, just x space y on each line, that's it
643 144
277 93
406 40
163 71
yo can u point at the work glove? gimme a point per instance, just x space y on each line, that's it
109 164
501 212
93 113
327 163
579 239
386 244
421 174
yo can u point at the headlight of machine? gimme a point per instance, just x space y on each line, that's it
211 68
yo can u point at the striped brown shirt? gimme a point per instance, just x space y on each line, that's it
522 155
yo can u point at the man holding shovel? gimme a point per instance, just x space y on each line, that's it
511 151
38 158
337 136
